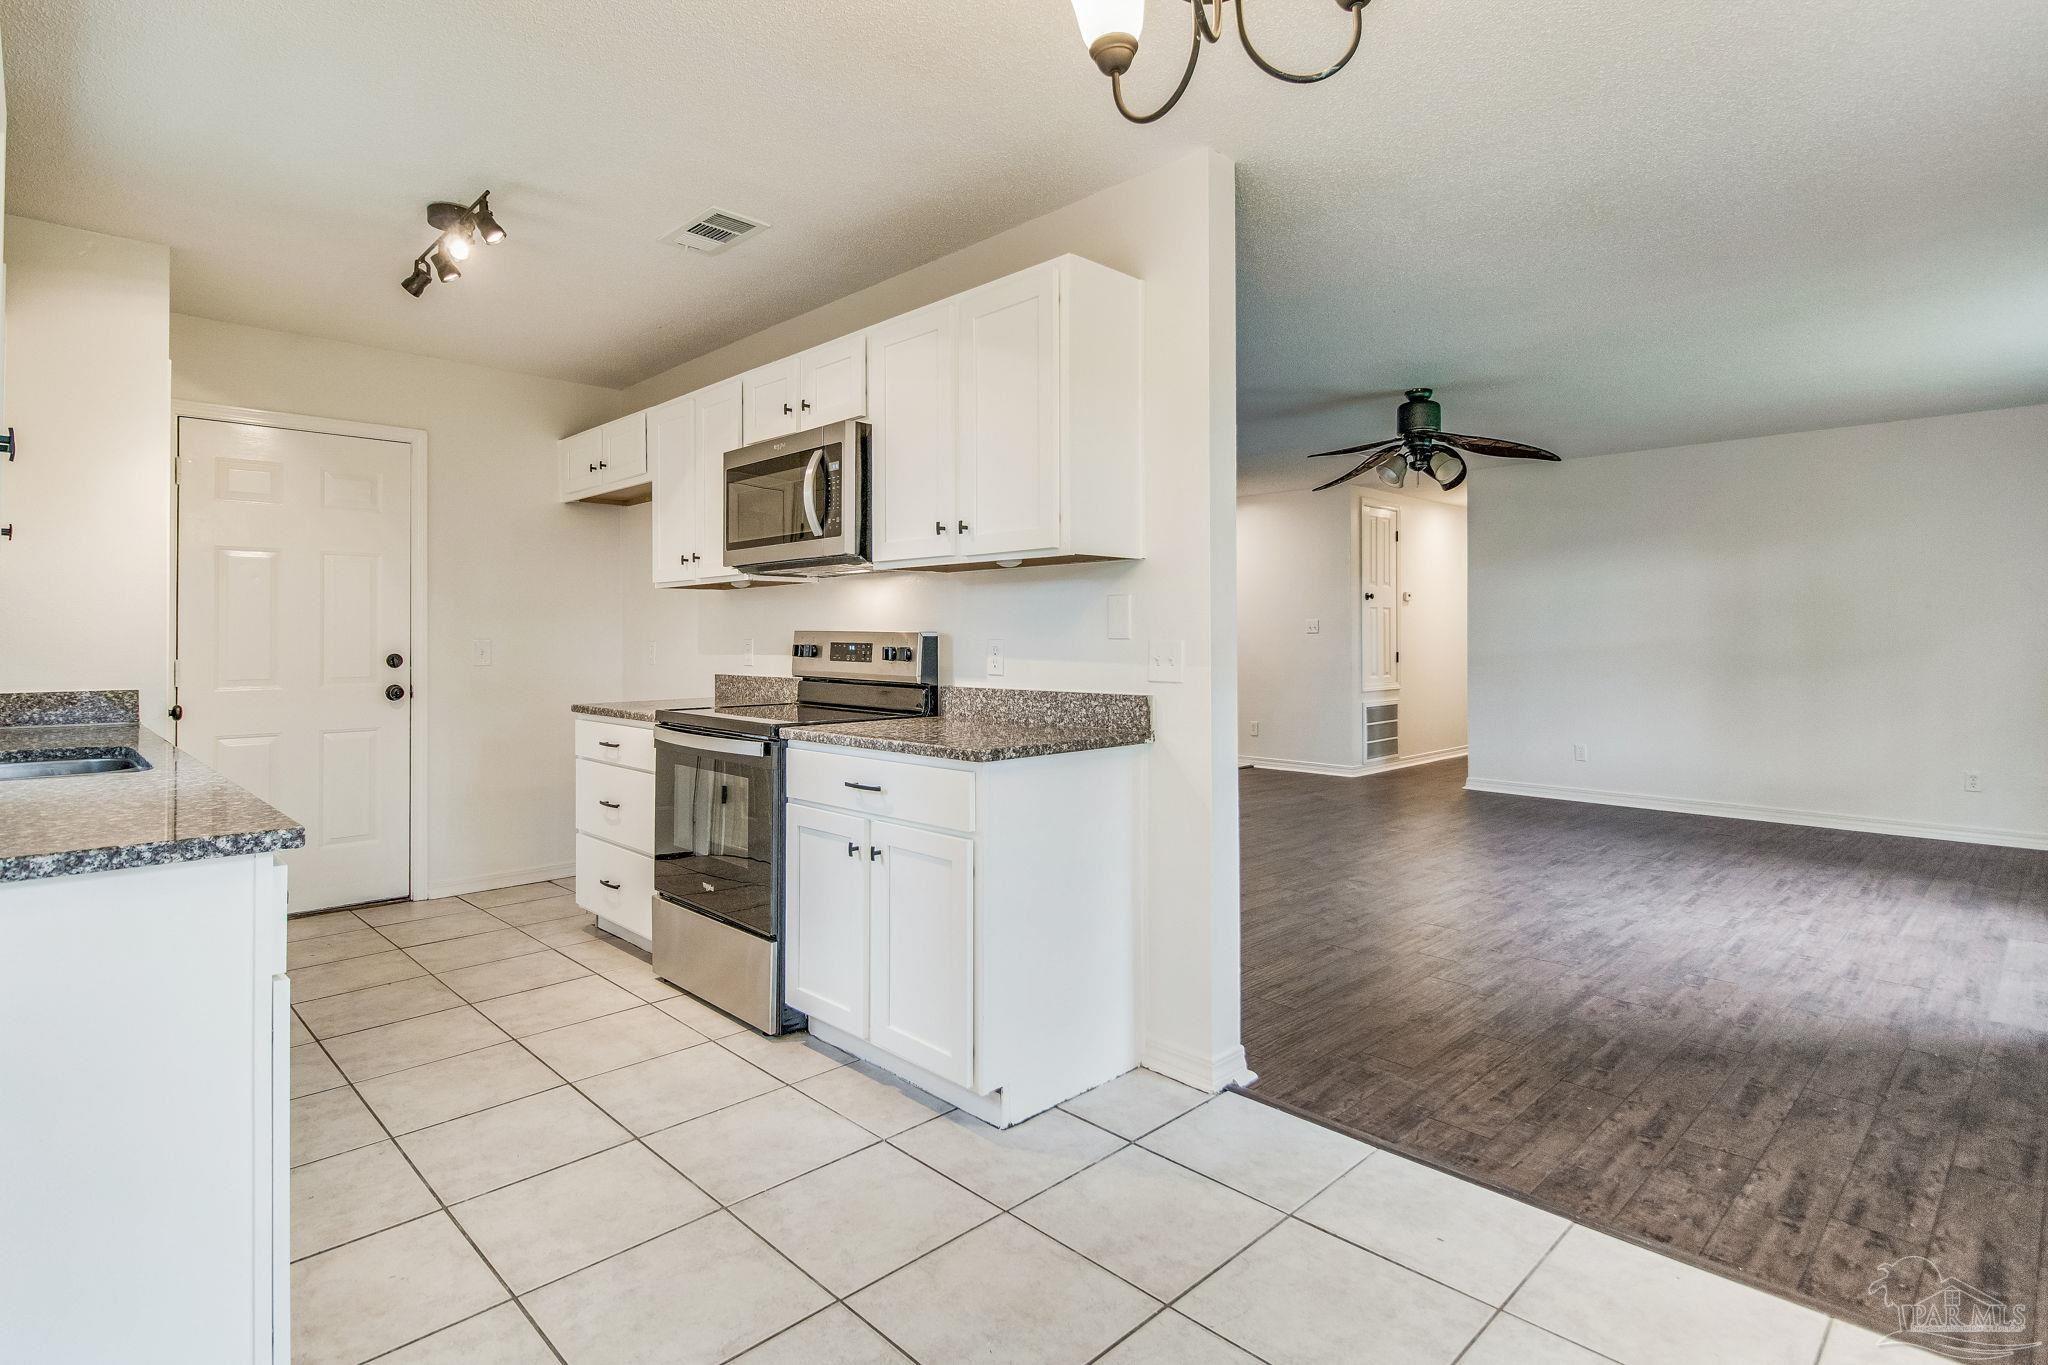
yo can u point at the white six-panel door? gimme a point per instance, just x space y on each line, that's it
294 585
1379 561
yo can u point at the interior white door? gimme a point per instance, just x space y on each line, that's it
1379 597
294 589
825 962
718 431
1010 415
921 948
912 399
672 460
833 381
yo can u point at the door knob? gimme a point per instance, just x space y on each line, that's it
394 660
1368 597
394 693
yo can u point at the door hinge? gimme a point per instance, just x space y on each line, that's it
1397 656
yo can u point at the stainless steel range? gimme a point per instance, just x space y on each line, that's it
718 821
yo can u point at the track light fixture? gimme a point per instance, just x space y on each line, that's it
461 229
1110 28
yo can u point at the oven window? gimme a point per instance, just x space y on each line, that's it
764 500
715 836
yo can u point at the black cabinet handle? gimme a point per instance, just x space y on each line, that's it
963 528
806 405
694 556
593 469
607 744
939 528
864 786
609 805
874 854
785 410
852 850
601 464
610 885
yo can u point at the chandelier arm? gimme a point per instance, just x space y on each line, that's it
1116 82
1244 36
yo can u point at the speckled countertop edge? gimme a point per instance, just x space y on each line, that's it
969 741
642 711
177 811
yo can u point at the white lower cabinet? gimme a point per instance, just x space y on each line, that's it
615 824
970 927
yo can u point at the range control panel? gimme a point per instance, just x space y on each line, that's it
870 656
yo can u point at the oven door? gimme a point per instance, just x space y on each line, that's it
798 504
718 828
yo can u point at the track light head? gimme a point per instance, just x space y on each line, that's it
444 262
488 229
455 241
416 283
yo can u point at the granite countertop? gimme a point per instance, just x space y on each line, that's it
642 711
178 811
973 739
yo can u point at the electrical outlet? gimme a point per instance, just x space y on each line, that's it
749 652
480 653
1315 625
995 658
1119 616
1973 782
1579 753
1255 729
1165 660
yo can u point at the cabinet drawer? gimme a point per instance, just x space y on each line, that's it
889 788
616 804
627 746
615 884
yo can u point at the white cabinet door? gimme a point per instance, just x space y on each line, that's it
832 381
825 961
579 455
912 399
921 949
672 459
770 394
718 430
1009 499
624 455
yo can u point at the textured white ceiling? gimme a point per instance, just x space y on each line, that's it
1593 225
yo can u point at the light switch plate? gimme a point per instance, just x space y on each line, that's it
1315 625
1119 616
1165 660
995 658
480 653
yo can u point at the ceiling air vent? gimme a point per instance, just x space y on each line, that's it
714 231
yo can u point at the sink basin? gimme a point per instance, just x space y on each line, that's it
19 767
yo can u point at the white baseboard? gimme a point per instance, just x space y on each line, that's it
492 881
1776 815
1386 765
1226 1068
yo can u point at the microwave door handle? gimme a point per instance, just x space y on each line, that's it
811 469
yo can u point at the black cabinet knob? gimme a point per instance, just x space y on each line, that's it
394 693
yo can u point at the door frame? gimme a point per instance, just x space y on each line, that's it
417 722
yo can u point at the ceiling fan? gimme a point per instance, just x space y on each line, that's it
1425 447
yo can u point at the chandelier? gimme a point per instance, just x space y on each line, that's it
1110 28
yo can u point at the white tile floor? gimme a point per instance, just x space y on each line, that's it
513 1146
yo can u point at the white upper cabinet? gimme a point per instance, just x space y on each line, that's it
686 441
579 456
1009 422
607 463
832 382
912 400
770 394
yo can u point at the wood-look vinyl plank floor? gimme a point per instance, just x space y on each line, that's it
1788 1054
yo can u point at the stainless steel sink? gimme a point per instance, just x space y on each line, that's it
31 765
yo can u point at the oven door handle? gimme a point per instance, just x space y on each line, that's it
811 468
716 744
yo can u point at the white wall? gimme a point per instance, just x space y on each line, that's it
1829 627
1297 560
85 583
1174 230
507 563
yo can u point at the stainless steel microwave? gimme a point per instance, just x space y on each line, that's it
798 504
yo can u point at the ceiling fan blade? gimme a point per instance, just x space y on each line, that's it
1494 445
1370 462
1370 447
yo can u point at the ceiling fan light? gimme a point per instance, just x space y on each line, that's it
1394 473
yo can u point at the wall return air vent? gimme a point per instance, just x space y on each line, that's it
715 230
